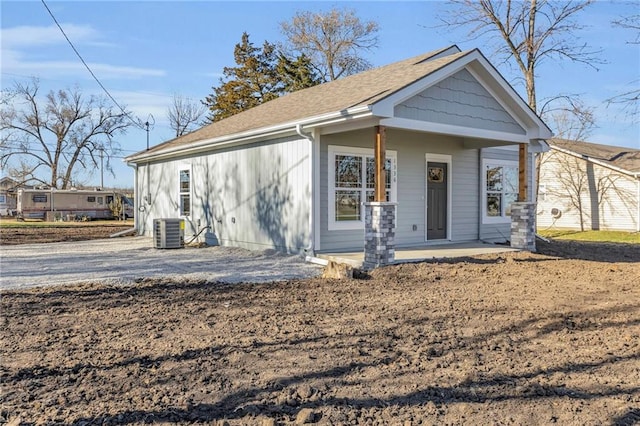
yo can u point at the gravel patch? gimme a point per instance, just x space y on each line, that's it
128 260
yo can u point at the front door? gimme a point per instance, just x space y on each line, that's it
436 201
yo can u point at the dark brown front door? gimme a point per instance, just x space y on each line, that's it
436 201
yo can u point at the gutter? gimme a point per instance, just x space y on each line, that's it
309 137
245 137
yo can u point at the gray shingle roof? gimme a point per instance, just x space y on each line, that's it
361 89
618 156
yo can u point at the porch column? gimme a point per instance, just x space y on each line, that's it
380 215
523 212
523 226
380 194
379 234
522 172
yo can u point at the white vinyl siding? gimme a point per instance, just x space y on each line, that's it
609 198
254 196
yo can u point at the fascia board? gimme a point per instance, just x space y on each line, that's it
448 129
385 107
596 161
522 106
253 135
519 110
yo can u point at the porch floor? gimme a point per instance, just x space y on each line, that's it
420 253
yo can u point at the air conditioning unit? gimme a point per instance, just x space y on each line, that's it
168 233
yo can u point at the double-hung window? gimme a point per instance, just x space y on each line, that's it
352 183
185 192
500 181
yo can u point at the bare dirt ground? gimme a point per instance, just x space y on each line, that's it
52 234
517 338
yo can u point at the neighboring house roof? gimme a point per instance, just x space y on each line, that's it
627 159
343 97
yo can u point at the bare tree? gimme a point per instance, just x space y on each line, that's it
333 41
629 100
570 117
51 140
526 32
183 114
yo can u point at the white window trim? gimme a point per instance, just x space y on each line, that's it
483 206
182 168
331 205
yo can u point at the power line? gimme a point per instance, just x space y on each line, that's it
89 69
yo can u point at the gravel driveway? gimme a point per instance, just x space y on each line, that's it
126 260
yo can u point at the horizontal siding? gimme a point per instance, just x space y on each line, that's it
462 101
411 169
608 198
254 196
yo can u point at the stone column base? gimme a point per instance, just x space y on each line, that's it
523 226
379 234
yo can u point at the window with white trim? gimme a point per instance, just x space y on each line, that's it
352 183
500 182
185 192
3 198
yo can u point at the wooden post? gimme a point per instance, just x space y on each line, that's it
380 193
522 174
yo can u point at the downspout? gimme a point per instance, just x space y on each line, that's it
481 206
309 137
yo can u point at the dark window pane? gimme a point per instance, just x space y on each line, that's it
348 171
494 178
184 180
494 206
347 205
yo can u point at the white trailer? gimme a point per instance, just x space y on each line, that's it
72 204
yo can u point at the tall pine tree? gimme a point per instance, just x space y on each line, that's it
260 76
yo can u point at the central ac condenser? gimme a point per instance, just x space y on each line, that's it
168 233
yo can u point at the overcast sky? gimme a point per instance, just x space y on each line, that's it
144 52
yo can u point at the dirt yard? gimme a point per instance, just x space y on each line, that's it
504 339
39 233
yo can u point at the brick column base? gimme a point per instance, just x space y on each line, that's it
379 234
523 226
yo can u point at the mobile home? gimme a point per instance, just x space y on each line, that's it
52 204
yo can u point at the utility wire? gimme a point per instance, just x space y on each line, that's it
89 69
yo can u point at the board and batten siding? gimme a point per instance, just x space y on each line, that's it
459 100
411 148
609 198
252 196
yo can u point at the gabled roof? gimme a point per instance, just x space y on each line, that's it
624 158
345 97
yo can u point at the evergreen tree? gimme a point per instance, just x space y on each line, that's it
261 74
296 73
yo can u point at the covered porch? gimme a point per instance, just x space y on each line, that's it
419 253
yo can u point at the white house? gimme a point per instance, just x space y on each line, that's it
293 173
589 186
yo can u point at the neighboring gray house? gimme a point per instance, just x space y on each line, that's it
8 200
589 186
292 174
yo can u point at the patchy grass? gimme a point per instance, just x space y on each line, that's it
595 236
36 223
